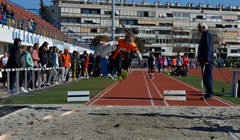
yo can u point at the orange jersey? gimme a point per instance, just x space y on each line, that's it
174 61
123 45
66 59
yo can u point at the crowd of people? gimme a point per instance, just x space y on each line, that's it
7 18
6 15
55 64
170 65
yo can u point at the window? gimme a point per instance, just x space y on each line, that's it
90 11
199 17
128 22
93 30
234 51
169 15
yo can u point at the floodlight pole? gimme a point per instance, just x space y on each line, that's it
113 20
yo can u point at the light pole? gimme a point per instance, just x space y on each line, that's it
113 20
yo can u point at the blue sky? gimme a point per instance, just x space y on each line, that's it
33 4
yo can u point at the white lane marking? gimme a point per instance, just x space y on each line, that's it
68 112
102 94
233 136
5 136
159 93
47 117
149 92
217 98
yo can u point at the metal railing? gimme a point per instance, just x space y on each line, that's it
23 25
34 76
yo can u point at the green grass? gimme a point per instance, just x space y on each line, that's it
58 94
195 81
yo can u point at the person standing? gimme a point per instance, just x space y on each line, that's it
159 63
151 70
43 55
27 62
66 61
206 58
36 60
3 62
14 62
179 65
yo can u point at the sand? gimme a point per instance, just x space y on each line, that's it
78 122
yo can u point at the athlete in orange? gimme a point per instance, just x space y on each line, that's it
124 52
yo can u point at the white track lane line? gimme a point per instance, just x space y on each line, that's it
215 97
159 93
102 94
149 92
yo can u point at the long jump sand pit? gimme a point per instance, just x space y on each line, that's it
77 122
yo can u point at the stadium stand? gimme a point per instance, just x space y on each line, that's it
42 26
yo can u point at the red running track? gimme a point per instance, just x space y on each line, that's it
217 74
139 90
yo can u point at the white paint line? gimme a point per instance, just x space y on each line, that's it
47 117
233 136
103 93
149 92
215 97
159 93
68 112
93 100
5 136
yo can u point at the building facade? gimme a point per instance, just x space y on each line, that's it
166 29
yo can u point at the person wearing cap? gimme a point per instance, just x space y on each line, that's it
206 58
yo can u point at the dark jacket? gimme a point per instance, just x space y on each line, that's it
205 48
43 57
14 60
50 59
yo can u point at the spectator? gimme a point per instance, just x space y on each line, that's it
165 64
86 65
50 64
179 65
14 62
11 18
75 65
1 12
30 28
22 73
66 61
91 64
159 62
151 60
185 62
33 25
60 63
97 66
174 63
27 62
36 60
4 18
56 64
42 53
3 63
169 64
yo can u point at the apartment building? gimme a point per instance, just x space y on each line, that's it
166 29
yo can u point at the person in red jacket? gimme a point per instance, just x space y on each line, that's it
185 62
